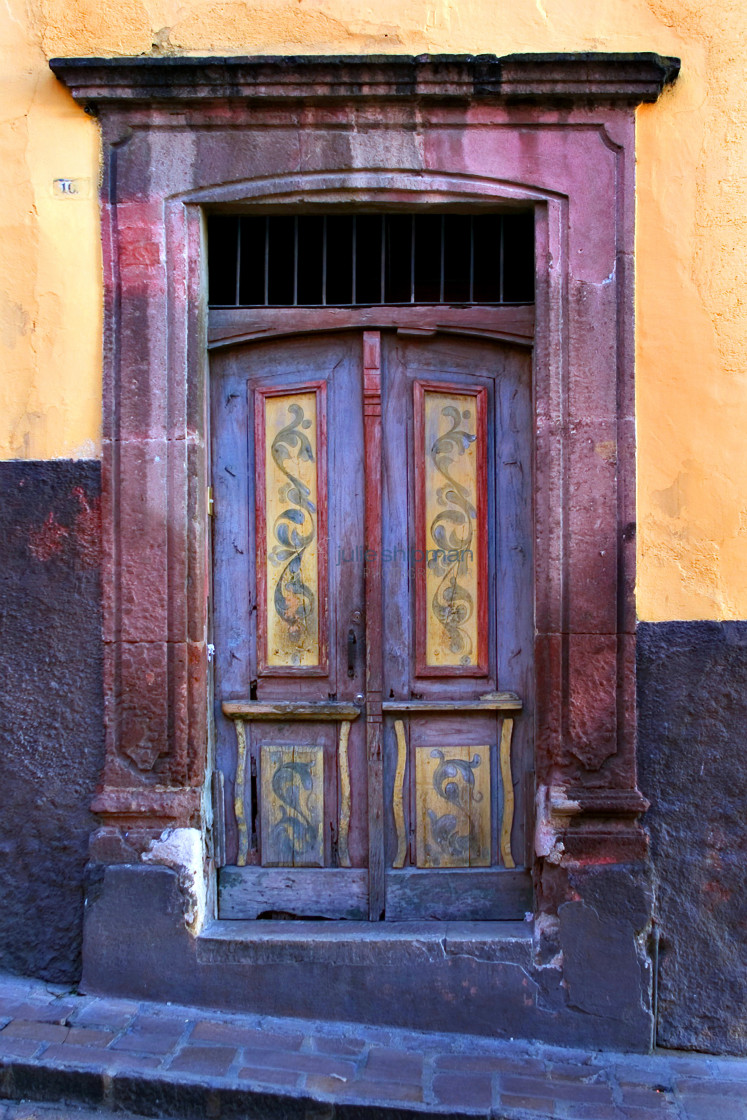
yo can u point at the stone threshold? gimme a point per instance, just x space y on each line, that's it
358 943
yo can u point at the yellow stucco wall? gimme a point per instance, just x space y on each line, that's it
692 232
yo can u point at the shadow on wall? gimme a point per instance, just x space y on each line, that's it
51 708
692 715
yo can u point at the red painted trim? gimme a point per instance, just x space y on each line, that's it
260 395
480 393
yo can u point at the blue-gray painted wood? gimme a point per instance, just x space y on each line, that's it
505 372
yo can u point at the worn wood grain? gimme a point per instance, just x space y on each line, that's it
318 711
514 566
218 827
374 609
507 703
507 781
232 326
233 618
469 894
329 892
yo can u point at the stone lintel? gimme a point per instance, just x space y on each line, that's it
629 78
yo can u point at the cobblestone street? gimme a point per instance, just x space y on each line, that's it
79 1053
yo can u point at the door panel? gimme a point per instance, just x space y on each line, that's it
458 626
291 468
451 529
292 806
373 626
453 807
287 418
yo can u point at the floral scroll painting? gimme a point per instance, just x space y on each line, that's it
453 827
292 804
452 531
291 538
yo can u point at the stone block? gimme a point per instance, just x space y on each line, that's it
196 1060
467 1091
393 1065
592 698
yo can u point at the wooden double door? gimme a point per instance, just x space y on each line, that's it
373 626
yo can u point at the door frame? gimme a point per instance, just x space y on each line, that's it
556 132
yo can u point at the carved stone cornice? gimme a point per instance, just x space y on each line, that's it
630 79
181 804
568 802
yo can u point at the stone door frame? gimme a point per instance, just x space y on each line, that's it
182 135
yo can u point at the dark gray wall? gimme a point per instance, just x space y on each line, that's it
51 712
692 752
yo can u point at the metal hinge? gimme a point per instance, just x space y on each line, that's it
210 502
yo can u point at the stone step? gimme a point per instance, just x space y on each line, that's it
169 1060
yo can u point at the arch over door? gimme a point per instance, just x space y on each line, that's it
373 625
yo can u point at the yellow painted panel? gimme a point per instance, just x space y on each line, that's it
507 781
398 795
343 763
451 591
292 806
292 574
453 815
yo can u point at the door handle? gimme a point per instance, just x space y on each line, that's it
352 651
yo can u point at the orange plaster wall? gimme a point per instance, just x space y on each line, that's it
691 232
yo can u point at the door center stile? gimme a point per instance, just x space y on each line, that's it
374 605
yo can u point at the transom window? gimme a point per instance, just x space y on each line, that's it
349 260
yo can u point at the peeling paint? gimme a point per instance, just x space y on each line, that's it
80 542
181 849
87 529
49 539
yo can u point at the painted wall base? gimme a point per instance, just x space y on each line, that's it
51 709
472 978
692 705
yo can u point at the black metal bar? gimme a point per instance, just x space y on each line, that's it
355 258
267 261
472 258
238 261
247 249
412 258
501 262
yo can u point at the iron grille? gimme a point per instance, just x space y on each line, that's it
350 260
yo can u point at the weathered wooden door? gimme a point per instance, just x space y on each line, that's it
373 626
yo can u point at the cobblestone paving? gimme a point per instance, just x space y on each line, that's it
184 1062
